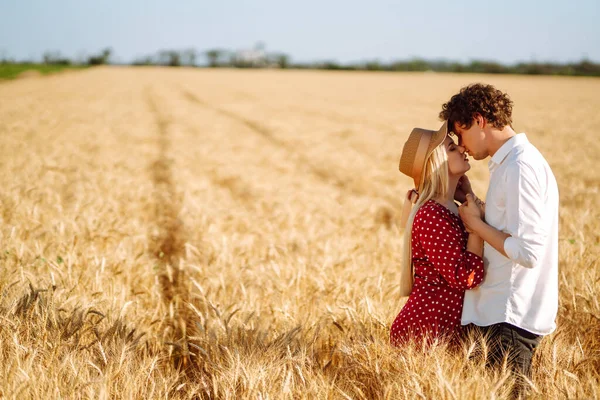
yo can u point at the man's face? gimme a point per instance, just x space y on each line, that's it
472 139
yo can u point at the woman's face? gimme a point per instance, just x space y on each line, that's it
458 163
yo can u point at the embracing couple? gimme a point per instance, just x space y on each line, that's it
486 267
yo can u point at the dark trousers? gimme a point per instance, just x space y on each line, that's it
516 345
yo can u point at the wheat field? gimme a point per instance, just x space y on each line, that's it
185 233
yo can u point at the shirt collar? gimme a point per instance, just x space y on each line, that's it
506 148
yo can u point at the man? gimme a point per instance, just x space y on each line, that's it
517 302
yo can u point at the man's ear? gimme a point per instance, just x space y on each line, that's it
480 121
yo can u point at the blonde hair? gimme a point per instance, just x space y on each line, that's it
434 183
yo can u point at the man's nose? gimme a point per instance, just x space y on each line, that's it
462 149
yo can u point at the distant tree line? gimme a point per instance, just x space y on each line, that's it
55 58
581 68
258 57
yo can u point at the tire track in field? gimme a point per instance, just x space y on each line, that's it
322 174
168 245
237 188
329 116
386 215
339 118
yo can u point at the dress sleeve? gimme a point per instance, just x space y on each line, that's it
442 243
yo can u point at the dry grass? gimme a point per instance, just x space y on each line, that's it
172 233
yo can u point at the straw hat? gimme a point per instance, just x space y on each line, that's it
417 148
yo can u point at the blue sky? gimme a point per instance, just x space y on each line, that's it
507 31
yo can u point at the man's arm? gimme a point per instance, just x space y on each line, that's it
526 215
524 240
493 236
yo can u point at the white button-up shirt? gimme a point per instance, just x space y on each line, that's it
522 200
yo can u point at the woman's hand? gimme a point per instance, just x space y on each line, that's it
462 189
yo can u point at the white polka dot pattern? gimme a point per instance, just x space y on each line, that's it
444 269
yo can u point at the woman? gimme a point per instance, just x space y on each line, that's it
441 259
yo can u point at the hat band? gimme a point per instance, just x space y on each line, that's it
411 198
420 155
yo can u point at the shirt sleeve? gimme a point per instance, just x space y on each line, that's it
525 216
442 243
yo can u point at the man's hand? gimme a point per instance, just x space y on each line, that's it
470 212
462 189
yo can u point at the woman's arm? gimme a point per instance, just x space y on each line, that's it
442 242
475 244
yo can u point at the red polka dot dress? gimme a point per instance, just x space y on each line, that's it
443 269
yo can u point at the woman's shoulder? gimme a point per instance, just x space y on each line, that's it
431 211
430 207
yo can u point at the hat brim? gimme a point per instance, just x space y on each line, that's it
437 138
417 149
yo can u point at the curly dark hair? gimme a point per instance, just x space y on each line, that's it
485 100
